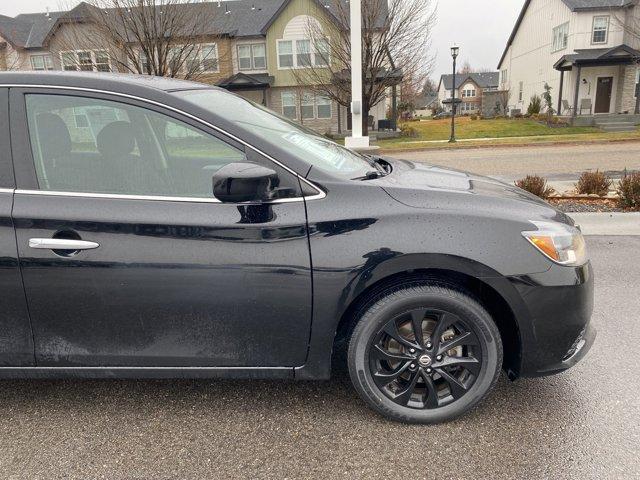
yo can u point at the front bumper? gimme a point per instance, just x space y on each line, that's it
554 318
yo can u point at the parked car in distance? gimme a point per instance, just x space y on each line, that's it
157 228
441 115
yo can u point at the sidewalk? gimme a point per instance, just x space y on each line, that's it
615 224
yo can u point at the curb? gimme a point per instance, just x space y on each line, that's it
614 224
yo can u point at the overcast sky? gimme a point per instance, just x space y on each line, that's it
479 27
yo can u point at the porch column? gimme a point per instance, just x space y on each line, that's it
577 92
264 97
560 92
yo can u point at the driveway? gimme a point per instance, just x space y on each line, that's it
556 162
582 424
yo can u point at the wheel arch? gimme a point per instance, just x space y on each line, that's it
490 288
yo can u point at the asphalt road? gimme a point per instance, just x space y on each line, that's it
582 424
554 162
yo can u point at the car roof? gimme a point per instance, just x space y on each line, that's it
109 81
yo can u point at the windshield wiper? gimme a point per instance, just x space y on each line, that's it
372 175
381 165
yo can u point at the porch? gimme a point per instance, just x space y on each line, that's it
599 82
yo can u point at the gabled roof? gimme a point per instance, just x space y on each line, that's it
621 53
243 81
483 79
574 6
236 18
425 101
577 5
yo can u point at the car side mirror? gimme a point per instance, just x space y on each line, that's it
245 182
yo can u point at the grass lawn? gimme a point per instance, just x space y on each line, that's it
502 128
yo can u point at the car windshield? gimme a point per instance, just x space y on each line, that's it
316 149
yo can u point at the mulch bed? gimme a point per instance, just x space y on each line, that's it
600 205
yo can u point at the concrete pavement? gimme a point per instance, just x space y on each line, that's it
608 223
556 162
582 424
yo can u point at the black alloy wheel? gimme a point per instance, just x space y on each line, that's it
425 358
424 354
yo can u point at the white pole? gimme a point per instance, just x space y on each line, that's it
356 140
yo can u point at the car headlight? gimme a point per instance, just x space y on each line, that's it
560 243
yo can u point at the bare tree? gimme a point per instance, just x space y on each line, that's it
396 38
466 68
168 38
429 87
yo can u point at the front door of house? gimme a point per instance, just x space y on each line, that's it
603 94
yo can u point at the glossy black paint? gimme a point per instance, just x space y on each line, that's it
265 288
16 341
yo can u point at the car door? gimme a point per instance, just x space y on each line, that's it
16 340
127 258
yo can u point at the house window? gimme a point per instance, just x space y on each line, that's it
209 58
560 37
303 50
244 57
259 52
289 108
600 29
322 55
143 63
203 58
307 106
86 61
102 61
520 91
324 106
503 75
468 92
41 62
81 120
301 53
285 54
252 57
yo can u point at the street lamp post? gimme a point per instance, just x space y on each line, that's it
454 54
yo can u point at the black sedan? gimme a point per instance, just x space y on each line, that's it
160 228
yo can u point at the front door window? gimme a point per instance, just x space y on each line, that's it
97 146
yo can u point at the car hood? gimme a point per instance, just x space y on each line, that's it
421 185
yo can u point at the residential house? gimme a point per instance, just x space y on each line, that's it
583 49
252 48
425 103
469 90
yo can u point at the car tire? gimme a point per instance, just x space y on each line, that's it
386 344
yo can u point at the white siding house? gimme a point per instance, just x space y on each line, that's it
581 49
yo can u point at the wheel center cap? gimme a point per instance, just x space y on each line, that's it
424 360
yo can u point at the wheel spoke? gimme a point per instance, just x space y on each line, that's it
466 338
444 322
380 353
468 363
391 329
417 316
457 388
384 378
404 396
432 392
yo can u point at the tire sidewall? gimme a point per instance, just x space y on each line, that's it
401 301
